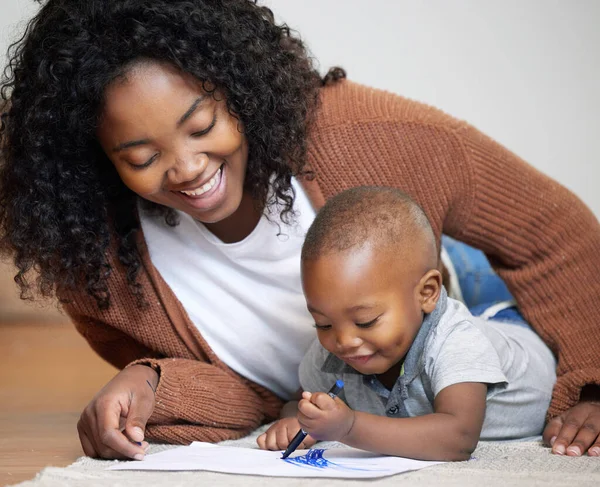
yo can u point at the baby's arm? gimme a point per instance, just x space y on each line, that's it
450 433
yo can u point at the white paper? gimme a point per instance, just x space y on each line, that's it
336 462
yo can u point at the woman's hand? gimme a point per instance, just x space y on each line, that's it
577 430
112 425
280 434
324 417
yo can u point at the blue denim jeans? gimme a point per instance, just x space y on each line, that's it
480 286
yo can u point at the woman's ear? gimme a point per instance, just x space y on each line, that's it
429 289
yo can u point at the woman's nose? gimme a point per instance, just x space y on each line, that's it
187 167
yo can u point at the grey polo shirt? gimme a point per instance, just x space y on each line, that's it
451 347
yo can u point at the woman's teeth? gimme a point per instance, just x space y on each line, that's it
205 187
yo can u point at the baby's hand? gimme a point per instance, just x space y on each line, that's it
324 417
279 435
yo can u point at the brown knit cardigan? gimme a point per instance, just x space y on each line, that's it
539 237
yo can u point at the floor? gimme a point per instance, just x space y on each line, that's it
47 376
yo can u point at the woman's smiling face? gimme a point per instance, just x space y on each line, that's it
173 143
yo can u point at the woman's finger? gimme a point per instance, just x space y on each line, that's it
586 437
575 431
86 444
552 430
594 450
588 434
140 410
571 423
92 447
109 436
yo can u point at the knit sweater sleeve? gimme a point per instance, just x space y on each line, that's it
195 400
541 239
113 345
545 244
195 393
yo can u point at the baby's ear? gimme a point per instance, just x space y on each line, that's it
430 287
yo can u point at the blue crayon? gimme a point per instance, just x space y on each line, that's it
299 438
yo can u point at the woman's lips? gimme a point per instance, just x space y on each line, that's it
210 198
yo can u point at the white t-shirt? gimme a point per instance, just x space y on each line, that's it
245 298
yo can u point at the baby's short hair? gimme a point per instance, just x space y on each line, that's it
385 217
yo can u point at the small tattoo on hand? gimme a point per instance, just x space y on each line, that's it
153 389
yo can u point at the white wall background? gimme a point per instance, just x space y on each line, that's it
526 72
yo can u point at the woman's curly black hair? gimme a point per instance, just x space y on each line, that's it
61 200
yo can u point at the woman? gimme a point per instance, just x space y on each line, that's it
162 160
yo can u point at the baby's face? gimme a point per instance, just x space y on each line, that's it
366 307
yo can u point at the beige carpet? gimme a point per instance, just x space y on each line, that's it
493 464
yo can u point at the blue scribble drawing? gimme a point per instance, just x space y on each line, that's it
314 458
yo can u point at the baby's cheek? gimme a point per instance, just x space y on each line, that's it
327 342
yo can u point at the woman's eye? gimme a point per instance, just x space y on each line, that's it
368 324
202 132
322 327
145 164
